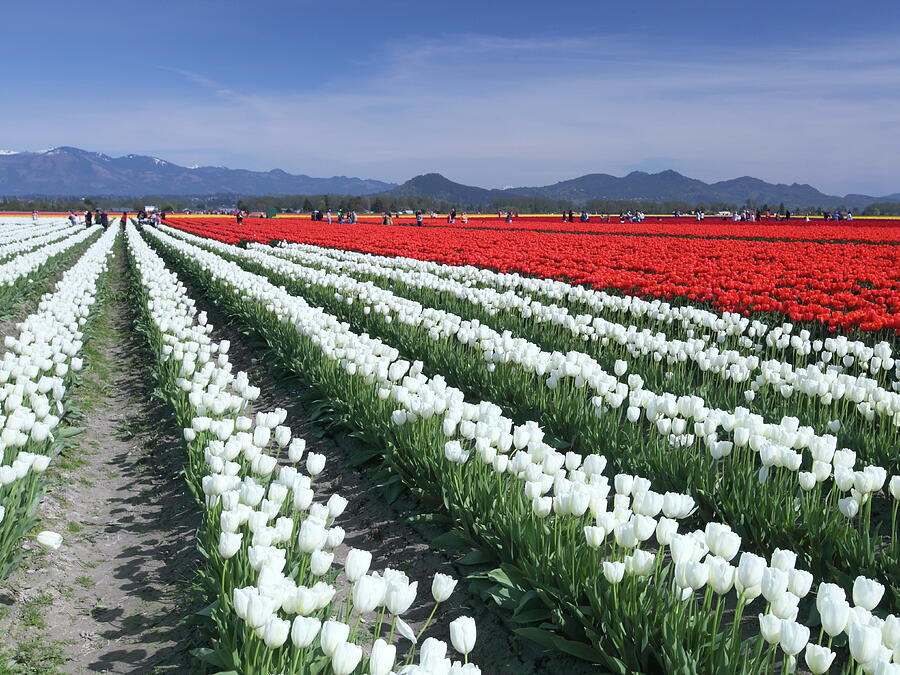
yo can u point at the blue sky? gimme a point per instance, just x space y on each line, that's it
492 93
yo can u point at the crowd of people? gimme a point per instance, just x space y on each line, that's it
585 217
837 215
101 218
757 216
453 217
89 218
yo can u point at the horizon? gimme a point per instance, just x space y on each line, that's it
7 152
492 95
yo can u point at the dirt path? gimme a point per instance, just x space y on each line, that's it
112 599
385 529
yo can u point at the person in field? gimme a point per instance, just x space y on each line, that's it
34 215
328 216
509 216
419 218
239 216
465 218
88 218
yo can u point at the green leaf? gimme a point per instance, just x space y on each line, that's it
392 492
363 457
501 577
529 598
210 656
319 665
394 479
452 540
476 558
542 637
68 432
535 615
579 650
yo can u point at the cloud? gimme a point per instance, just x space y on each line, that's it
495 111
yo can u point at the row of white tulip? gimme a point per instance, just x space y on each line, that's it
824 381
34 372
687 418
35 242
17 227
828 387
717 325
273 542
578 487
22 265
14 240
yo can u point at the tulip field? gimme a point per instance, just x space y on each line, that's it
650 447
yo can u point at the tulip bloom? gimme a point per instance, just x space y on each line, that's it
382 658
818 659
304 630
442 587
867 593
462 634
49 540
333 634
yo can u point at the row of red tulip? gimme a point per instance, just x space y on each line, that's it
870 229
842 285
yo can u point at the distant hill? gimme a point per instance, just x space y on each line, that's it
435 186
67 171
639 186
70 171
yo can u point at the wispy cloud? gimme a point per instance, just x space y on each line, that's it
201 81
495 110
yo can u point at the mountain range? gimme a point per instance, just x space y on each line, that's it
71 171
67 171
641 186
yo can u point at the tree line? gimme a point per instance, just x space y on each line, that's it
381 203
